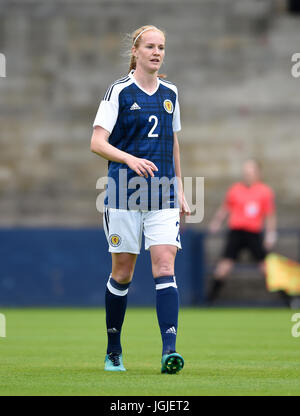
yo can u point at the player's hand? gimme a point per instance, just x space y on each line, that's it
214 227
142 167
183 205
270 239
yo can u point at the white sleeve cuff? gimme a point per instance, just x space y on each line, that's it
176 117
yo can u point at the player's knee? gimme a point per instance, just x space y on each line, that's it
122 276
164 268
223 269
123 272
123 266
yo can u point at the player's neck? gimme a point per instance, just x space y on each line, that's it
250 183
148 81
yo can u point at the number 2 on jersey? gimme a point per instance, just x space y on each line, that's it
151 134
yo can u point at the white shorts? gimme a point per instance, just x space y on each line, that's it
124 228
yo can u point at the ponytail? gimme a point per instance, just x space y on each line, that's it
132 64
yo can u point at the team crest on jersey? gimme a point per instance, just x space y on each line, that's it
168 106
115 240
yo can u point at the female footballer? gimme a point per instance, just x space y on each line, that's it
135 129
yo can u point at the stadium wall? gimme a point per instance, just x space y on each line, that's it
231 60
70 267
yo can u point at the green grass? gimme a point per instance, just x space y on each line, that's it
226 352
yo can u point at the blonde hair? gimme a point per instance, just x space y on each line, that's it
136 38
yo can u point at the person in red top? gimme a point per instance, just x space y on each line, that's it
250 208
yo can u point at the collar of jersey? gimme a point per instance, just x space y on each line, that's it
138 85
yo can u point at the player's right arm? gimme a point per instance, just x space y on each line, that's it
221 213
104 123
101 146
270 236
270 233
218 219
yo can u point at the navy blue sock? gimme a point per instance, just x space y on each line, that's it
167 306
115 305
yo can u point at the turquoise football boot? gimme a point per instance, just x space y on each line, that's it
171 363
114 362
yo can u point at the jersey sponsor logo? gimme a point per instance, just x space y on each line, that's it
135 106
115 240
168 106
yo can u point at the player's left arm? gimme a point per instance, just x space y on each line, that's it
184 207
270 222
271 231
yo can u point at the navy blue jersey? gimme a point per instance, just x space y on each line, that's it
141 124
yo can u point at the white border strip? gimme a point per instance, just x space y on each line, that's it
115 291
165 285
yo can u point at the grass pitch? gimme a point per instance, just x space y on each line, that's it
226 352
